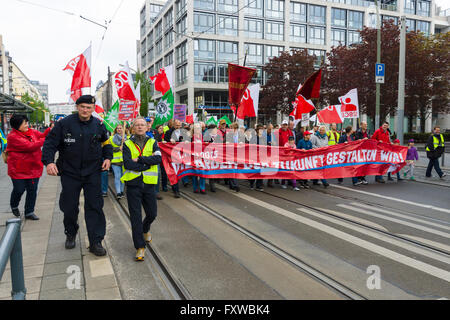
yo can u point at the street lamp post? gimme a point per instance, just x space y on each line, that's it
377 93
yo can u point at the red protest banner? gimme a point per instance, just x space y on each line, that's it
126 110
238 79
248 161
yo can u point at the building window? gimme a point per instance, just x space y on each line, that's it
204 49
338 18
337 37
253 28
227 26
273 51
182 74
150 39
274 31
181 53
319 57
423 26
154 10
158 30
204 4
168 59
254 53
388 18
168 20
168 39
410 6
222 72
180 6
275 9
228 51
158 48
181 27
355 20
353 37
230 6
204 72
298 33
316 35
316 14
423 8
410 25
258 77
204 22
254 7
144 45
298 11
150 54
159 65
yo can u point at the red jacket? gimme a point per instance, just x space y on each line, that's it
381 135
284 136
24 153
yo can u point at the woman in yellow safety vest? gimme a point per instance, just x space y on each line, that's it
117 161
141 157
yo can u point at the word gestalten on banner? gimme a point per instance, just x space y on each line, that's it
244 161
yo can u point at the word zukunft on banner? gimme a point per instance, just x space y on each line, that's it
246 161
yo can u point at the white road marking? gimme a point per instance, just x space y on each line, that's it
397 257
378 236
422 205
405 223
428 242
401 215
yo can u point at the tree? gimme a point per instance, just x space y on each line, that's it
145 92
284 74
426 76
38 115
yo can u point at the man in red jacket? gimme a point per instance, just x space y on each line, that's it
24 164
284 133
382 135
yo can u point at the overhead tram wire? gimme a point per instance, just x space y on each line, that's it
106 29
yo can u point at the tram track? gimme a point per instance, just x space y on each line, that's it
316 274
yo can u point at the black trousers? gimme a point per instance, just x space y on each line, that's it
93 205
19 187
433 163
145 196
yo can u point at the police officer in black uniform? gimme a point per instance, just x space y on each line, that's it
82 143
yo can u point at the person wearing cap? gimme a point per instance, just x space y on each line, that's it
284 133
24 164
397 143
411 156
82 143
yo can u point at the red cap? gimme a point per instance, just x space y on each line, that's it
396 141
306 133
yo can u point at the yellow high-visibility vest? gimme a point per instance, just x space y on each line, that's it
117 156
437 142
331 141
150 176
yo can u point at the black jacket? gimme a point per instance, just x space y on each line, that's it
143 163
79 144
359 134
434 153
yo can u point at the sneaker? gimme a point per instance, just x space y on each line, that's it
16 212
306 185
140 254
202 192
357 183
326 184
412 178
316 183
259 189
148 237
443 175
296 189
31 216
283 186
364 181
404 175
70 242
97 249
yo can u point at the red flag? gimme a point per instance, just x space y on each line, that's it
80 68
311 88
129 103
249 103
190 119
238 79
301 106
331 114
161 81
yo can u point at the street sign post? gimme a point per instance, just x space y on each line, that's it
379 73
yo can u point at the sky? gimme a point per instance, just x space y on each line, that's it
42 41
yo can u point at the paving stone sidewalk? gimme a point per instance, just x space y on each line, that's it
51 271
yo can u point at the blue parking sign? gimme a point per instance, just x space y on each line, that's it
379 69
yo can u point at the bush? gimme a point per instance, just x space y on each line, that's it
422 137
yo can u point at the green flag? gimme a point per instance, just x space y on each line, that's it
226 119
112 117
211 120
164 109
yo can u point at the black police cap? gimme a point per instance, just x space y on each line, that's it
86 99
